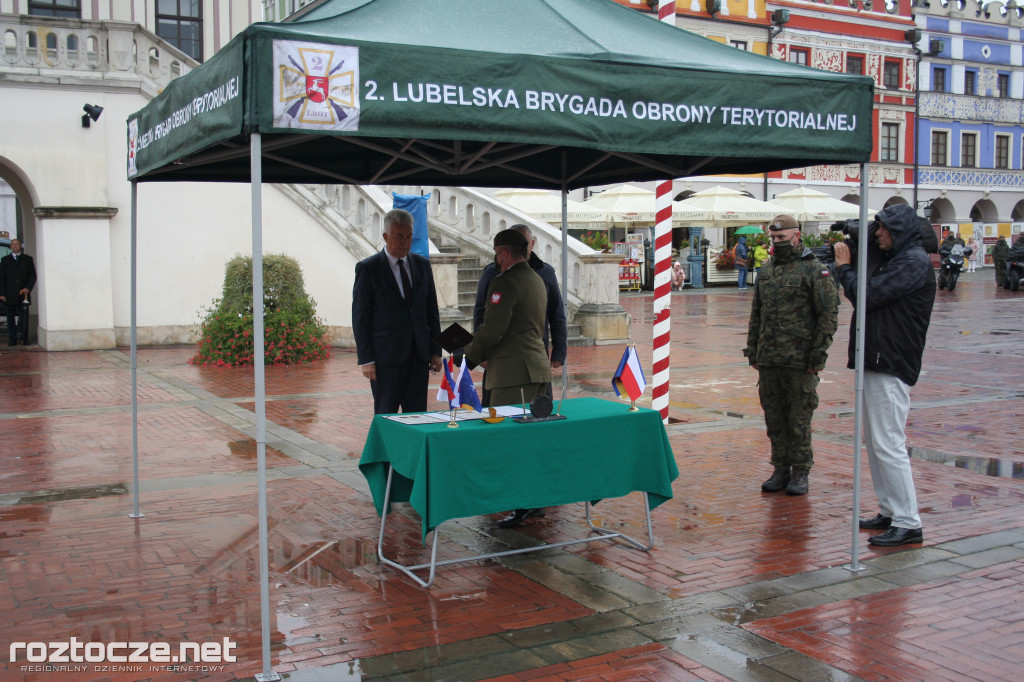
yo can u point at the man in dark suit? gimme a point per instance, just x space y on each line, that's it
395 320
17 277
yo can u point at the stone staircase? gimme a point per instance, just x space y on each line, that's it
470 269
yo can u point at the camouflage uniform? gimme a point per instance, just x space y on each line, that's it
999 253
792 320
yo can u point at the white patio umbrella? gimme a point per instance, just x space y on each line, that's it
729 208
808 205
542 205
631 204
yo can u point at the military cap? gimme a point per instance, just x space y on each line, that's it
783 222
509 237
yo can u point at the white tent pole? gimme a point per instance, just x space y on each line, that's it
565 269
136 514
662 365
259 387
860 316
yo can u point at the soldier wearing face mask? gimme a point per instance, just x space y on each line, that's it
792 320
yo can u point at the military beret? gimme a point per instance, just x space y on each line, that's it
509 237
783 222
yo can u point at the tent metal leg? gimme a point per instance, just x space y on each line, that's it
858 400
610 534
603 534
136 512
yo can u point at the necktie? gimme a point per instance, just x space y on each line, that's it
406 284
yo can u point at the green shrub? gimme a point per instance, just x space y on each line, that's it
292 332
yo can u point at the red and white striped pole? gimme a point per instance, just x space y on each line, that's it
662 265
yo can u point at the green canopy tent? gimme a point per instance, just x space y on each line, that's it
533 93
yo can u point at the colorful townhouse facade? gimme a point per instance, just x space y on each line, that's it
971 183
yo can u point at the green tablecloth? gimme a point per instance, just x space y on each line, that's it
600 451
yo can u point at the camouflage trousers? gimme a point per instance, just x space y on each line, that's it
789 398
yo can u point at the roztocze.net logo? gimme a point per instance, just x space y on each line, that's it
75 651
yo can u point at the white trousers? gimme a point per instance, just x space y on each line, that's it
886 405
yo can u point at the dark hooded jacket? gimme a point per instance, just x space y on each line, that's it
900 295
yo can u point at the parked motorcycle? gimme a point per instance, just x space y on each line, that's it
951 265
1014 269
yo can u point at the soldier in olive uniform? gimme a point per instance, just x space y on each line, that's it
999 253
792 320
510 341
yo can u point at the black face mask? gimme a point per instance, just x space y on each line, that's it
784 252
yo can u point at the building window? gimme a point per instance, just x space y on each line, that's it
939 80
855 65
970 80
739 44
1003 82
968 150
891 74
890 142
940 148
1002 159
55 8
180 22
799 55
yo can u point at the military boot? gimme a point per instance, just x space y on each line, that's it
797 483
778 481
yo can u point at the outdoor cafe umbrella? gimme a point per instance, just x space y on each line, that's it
808 205
728 207
542 205
631 204
749 229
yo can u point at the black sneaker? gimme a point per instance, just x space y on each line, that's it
898 536
875 522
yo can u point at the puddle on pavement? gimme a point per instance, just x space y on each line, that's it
986 466
243 448
81 493
304 415
339 672
327 563
738 615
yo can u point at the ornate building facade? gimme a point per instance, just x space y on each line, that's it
970 98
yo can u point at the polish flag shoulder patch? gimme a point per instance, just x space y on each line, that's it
496 297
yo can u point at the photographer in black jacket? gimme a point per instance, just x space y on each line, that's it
899 297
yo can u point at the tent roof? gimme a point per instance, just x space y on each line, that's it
531 93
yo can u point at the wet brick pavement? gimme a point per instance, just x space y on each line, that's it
741 585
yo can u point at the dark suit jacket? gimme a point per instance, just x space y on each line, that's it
16 275
388 329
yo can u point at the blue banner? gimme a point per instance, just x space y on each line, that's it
417 206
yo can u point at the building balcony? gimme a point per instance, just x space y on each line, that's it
970 178
46 50
971 108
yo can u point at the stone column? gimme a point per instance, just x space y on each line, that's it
446 281
600 316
